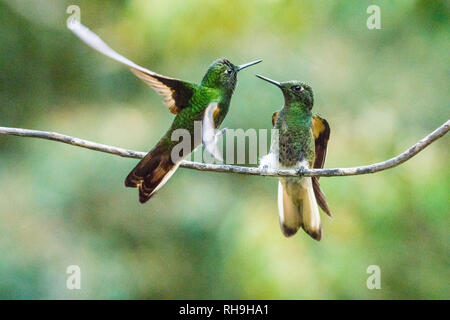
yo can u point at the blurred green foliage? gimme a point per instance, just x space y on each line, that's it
212 235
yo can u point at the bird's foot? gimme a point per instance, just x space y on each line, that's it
301 170
264 169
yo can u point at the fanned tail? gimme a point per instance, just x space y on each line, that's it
152 172
297 208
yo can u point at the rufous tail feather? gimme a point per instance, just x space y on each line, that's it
152 172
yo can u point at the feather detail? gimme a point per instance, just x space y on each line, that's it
320 197
321 132
152 172
297 208
176 93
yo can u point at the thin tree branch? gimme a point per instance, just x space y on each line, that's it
372 168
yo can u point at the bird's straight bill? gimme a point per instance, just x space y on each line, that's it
301 135
188 101
248 64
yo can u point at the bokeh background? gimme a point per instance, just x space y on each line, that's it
214 235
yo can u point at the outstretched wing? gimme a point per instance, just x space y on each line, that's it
321 132
176 93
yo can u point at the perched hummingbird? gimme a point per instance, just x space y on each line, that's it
208 102
302 142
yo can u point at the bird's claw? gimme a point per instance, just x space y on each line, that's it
301 170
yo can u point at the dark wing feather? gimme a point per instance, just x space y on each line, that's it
321 132
176 93
320 197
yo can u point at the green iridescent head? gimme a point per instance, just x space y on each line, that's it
222 74
294 91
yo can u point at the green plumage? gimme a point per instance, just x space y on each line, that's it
189 101
296 141
215 87
302 141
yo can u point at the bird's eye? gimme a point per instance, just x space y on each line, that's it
228 71
297 88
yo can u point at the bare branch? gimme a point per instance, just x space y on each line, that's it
372 168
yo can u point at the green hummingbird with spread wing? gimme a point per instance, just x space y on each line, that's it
207 102
301 142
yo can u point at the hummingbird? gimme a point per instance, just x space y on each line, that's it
207 102
301 142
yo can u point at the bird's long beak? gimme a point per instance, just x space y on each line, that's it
278 84
245 65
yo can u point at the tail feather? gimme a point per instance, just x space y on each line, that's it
297 208
152 172
290 218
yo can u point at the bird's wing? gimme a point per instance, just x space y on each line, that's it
321 132
209 135
176 93
274 118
